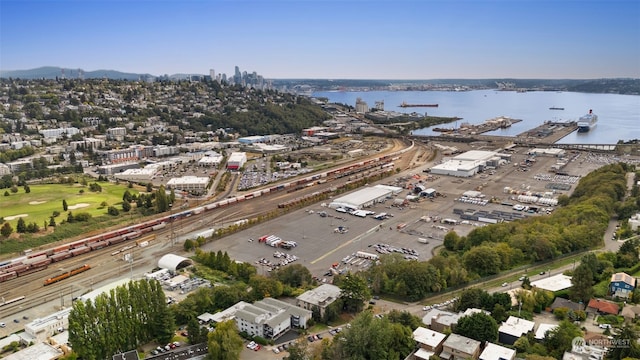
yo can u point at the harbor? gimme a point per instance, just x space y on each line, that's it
500 122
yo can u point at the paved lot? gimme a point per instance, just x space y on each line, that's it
319 246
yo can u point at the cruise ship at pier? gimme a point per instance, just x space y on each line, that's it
587 122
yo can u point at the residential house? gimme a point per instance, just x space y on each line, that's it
320 298
622 285
458 347
512 329
559 302
429 343
631 312
599 306
440 320
496 352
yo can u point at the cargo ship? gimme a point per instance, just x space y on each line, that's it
556 108
587 122
405 105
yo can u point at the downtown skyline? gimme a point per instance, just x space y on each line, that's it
328 39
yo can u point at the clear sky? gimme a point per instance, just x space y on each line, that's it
330 39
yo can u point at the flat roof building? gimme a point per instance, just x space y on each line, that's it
191 184
270 318
513 328
429 342
38 351
470 163
320 297
236 160
41 329
458 347
363 198
496 352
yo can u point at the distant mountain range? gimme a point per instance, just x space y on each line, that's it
614 86
52 72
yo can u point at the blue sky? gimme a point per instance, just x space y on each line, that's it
403 39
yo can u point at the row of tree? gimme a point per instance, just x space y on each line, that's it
128 316
488 250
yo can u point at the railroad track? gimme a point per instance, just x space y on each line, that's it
31 286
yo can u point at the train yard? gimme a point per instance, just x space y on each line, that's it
21 275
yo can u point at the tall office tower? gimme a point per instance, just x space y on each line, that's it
237 77
212 73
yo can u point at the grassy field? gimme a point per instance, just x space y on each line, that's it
38 205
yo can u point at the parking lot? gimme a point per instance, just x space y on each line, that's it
321 246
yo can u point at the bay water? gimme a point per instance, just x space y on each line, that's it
618 115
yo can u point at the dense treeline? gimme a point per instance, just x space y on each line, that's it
267 118
128 316
488 250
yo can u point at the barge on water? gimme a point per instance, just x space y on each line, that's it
405 105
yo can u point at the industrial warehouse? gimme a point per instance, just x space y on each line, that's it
471 163
365 197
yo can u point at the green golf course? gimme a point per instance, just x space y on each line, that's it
39 204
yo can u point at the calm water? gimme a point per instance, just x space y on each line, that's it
618 115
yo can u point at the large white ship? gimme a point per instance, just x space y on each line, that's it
587 122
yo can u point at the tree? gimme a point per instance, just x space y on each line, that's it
126 206
298 351
149 187
6 230
499 313
21 227
627 344
127 197
225 343
483 260
27 189
559 339
372 338
405 318
582 280
189 245
295 275
474 298
354 291
478 326
65 207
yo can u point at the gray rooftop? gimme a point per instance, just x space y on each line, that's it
462 343
322 295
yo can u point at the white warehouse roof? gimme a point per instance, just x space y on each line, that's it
475 155
360 198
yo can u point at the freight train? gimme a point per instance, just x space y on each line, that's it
39 260
66 275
